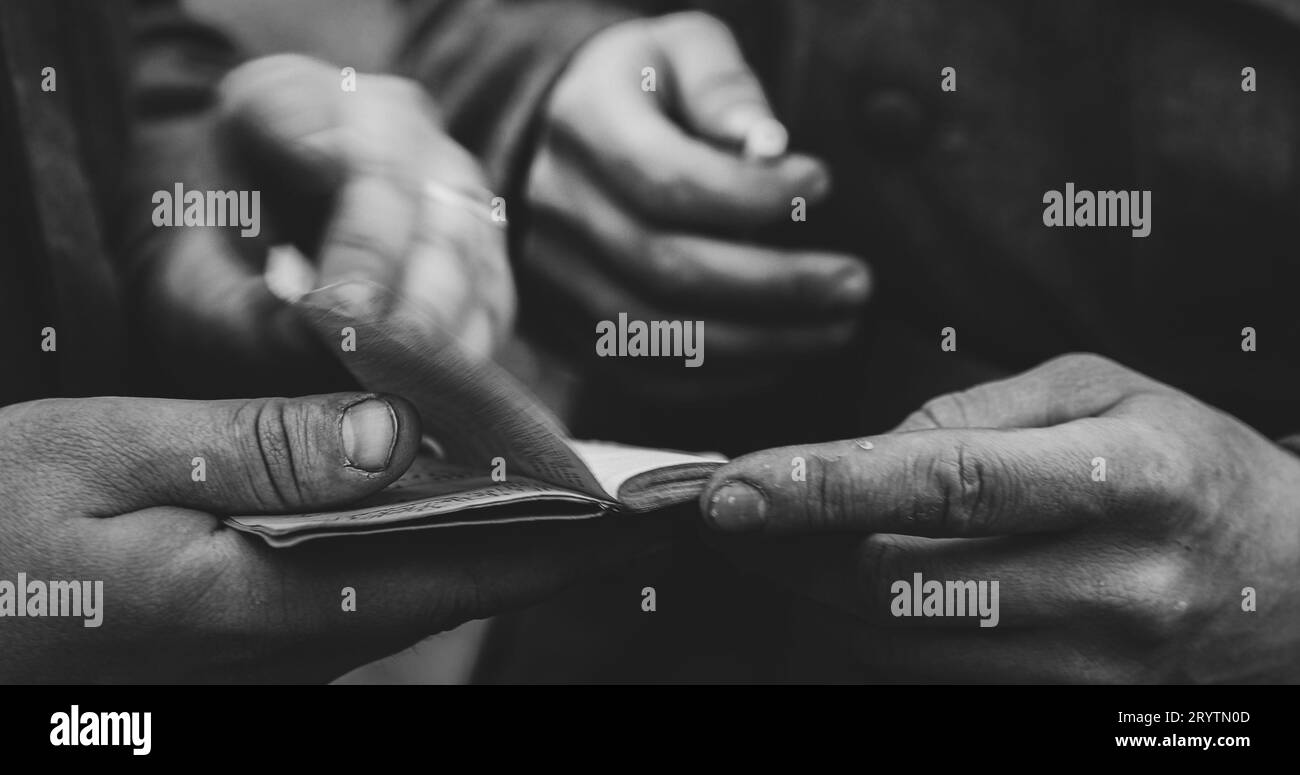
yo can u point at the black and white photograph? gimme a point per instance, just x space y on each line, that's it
730 342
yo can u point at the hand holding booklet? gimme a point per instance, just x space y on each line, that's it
494 453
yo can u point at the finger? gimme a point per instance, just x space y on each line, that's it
553 257
1062 389
456 274
950 483
451 391
718 274
222 319
680 181
714 89
264 455
624 137
289 109
371 230
284 111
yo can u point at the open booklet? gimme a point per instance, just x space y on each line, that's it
495 454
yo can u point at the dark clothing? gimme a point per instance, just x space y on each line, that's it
62 151
72 194
943 194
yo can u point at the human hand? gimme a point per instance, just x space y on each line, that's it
107 489
367 186
641 202
1123 520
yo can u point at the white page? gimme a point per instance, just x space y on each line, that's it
614 464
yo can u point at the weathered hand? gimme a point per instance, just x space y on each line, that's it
106 489
1123 520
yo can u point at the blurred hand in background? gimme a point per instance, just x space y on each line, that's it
364 183
645 202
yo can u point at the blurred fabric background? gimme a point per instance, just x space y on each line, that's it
356 33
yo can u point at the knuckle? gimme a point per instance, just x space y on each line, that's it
1159 606
1082 360
269 438
1171 484
833 500
962 503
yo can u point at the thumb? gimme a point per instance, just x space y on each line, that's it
107 456
718 95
